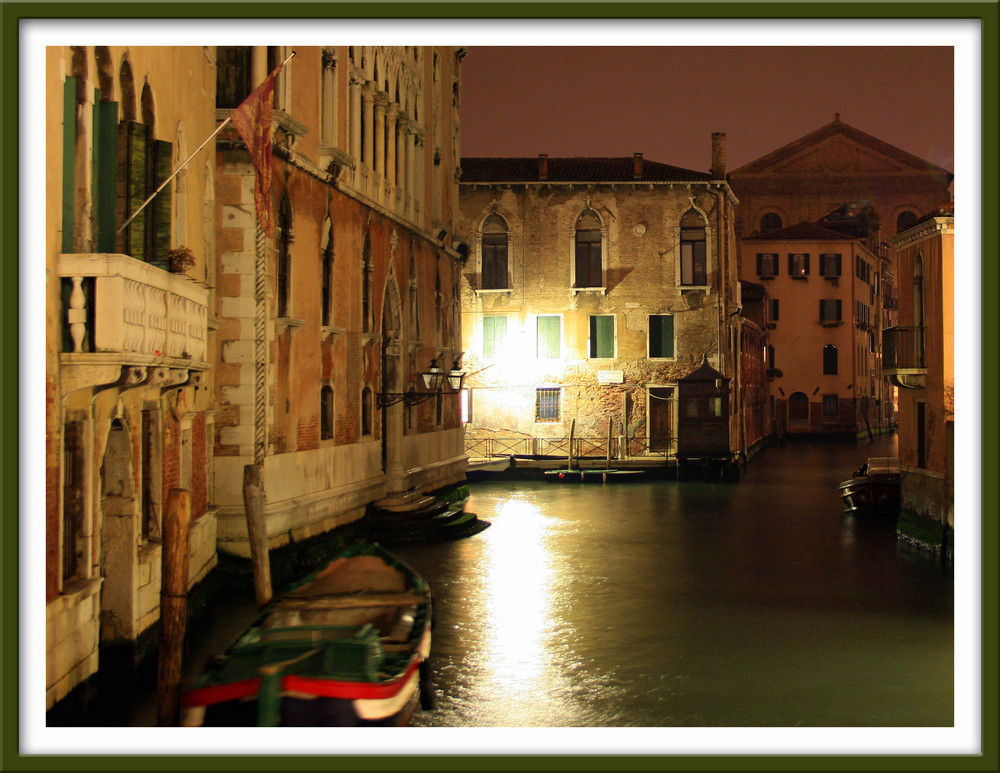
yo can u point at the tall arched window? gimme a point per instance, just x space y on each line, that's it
905 220
438 307
829 360
326 412
143 164
414 298
493 249
366 285
327 269
694 257
770 222
284 258
919 318
588 245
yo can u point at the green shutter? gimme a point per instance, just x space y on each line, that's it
666 339
105 173
494 332
602 336
548 337
69 164
132 185
162 205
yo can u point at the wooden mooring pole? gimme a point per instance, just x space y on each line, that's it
173 605
253 502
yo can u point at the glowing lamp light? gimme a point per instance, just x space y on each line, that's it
455 377
434 377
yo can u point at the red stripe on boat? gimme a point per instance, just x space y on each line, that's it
233 691
328 688
324 688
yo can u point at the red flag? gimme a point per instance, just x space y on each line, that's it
253 121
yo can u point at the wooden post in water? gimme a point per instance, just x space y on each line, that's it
572 429
173 605
608 465
253 502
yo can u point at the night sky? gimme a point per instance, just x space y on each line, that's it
665 102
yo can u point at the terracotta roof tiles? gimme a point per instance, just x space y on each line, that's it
574 170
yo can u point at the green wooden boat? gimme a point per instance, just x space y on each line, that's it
346 646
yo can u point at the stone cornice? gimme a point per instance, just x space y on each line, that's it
935 226
650 184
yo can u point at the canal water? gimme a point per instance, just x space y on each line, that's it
660 604
665 604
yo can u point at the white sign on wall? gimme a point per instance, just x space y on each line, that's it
611 377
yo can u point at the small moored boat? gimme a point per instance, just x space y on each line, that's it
873 489
346 646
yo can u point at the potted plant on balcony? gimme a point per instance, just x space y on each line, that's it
179 259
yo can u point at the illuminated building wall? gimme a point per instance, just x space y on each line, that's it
592 286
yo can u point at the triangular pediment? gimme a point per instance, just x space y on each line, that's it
840 149
838 156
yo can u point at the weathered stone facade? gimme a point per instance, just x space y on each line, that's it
128 373
921 361
360 280
154 379
591 317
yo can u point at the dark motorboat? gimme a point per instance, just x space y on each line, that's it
873 489
347 646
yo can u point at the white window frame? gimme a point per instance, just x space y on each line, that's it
602 288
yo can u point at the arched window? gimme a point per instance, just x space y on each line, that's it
829 360
588 245
919 310
694 257
284 258
143 164
414 298
493 249
770 222
366 285
438 307
327 269
905 220
326 413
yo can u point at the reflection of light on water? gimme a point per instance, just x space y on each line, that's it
519 593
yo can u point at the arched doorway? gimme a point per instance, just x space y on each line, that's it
798 412
119 537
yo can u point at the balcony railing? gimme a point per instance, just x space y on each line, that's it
903 350
114 304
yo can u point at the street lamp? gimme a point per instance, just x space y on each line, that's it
433 379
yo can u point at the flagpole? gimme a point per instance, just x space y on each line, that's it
163 185
172 176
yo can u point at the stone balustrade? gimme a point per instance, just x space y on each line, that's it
117 304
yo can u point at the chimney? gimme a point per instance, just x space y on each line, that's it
718 169
543 166
637 166
836 117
